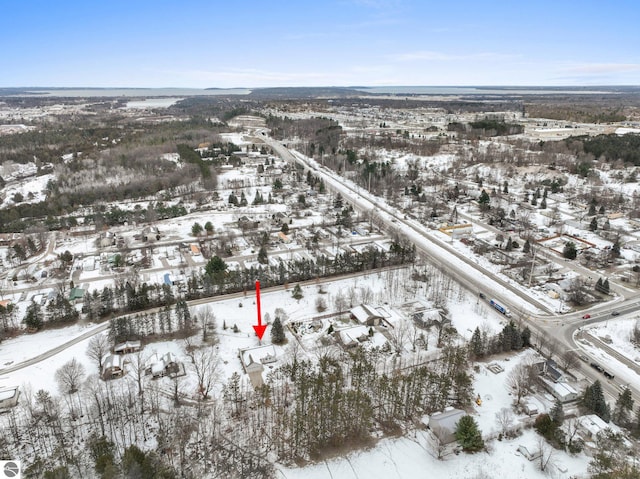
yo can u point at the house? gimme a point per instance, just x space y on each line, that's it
112 367
550 369
443 424
76 294
254 360
590 426
127 347
283 237
244 222
368 314
262 354
280 218
427 317
351 337
458 231
560 390
8 398
254 370
167 365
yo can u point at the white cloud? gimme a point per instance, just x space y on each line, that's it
427 55
599 68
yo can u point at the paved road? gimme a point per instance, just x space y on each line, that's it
196 302
475 278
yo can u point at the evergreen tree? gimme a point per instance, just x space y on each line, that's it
526 337
570 251
468 434
484 200
592 209
557 413
615 250
623 408
543 204
605 286
593 226
527 246
477 348
505 187
598 286
277 331
297 292
34 317
196 229
208 227
509 245
593 400
262 255
233 199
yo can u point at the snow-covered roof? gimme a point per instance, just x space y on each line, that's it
444 424
8 393
262 354
593 423
352 335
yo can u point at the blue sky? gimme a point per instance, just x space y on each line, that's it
247 43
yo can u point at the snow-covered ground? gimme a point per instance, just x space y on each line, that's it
413 456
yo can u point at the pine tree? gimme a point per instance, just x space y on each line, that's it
570 251
262 255
277 332
527 246
605 286
34 318
468 434
598 286
477 348
624 408
557 412
593 226
297 292
593 399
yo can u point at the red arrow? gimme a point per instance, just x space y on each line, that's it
259 328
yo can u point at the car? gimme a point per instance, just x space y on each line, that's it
615 313
608 375
482 296
586 316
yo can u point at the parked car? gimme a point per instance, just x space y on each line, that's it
608 374
615 313
586 316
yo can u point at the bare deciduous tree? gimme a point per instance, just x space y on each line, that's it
519 380
206 365
504 418
570 360
70 375
98 348
398 336
546 453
